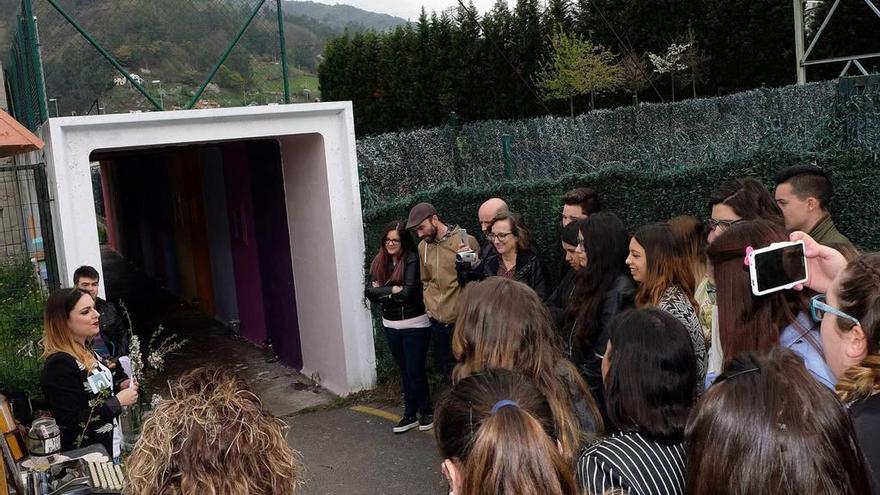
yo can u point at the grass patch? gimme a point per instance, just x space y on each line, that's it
386 394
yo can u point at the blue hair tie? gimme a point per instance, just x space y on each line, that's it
502 403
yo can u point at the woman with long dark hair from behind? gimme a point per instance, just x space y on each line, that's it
604 288
503 324
496 434
665 280
396 285
767 426
750 323
650 382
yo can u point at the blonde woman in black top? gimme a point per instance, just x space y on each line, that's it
82 394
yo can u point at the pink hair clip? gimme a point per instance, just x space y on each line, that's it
749 251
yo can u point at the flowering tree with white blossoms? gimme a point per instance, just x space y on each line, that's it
670 63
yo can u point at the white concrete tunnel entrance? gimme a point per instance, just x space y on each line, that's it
230 181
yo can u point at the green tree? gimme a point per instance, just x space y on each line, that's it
498 33
636 75
469 49
528 51
558 13
576 67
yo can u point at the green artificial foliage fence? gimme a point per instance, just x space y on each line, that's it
641 196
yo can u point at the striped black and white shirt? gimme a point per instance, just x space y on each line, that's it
634 464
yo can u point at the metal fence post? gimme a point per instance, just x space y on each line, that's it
283 46
506 141
45 207
33 57
457 165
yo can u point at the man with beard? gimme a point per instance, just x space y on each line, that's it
437 250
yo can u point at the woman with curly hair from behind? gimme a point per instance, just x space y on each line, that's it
212 437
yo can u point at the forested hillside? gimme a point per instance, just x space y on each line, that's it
177 42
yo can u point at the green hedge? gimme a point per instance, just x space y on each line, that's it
641 196
21 317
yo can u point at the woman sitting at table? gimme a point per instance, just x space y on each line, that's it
79 389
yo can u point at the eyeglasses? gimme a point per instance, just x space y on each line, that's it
392 241
818 308
500 236
714 224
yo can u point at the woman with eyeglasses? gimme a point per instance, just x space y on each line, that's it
737 200
767 426
395 284
731 203
750 323
849 313
665 280
513 258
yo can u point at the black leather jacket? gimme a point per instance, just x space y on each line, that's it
113 329
407 303
620 297
528 271
558 301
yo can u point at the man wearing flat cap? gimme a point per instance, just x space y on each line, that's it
439 245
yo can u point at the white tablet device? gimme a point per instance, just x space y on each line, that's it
780 266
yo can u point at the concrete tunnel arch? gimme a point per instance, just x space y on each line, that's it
322 199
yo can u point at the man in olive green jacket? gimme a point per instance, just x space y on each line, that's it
437 255
803 192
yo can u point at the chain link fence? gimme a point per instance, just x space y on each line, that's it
168 54
25 220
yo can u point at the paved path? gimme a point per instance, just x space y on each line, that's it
349 450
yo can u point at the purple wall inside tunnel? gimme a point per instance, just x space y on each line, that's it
243 242
273 242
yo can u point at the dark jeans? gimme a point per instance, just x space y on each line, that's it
410 350
441 334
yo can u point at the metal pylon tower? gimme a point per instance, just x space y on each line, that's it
803 56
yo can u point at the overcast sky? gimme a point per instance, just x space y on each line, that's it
409 9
